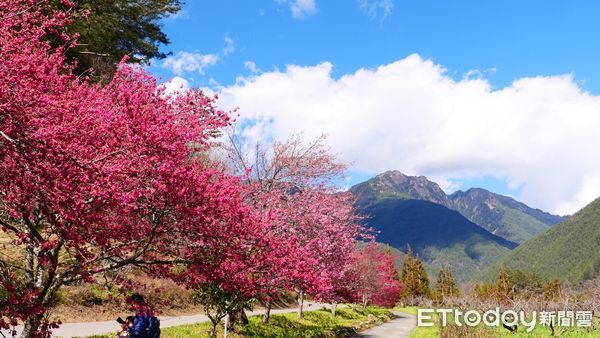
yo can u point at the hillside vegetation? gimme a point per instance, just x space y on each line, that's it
568 251
440 236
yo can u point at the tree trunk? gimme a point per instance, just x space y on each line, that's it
243 318
231 319
300 304
236 317
353 306
213 330
333 308
32 322
267 314
31 326
214 322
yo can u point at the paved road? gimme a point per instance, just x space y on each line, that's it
97 328
396 328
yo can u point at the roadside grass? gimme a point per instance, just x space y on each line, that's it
317 323
496 332
411 310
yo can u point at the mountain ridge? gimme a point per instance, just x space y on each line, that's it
498 214
413 211
502 215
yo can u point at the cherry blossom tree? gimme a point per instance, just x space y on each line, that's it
94 178
390 285
373 278
313 222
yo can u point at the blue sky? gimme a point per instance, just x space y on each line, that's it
516 38
216 42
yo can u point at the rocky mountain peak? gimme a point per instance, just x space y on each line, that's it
395 184
498 214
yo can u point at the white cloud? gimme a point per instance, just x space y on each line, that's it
540 133
251 67
229 46
176 84
377 8
300 8
183 62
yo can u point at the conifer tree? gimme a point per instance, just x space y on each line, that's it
445 286
110 29
414 277
503 285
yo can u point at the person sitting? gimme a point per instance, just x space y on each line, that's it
144 325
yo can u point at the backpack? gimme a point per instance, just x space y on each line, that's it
153 329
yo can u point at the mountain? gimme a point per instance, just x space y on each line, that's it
569 251
396 185
502 215
439 236
413 211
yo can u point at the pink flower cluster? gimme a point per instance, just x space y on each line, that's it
94 178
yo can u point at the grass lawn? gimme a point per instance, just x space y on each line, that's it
318 323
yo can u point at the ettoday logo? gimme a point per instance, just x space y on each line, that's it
511 318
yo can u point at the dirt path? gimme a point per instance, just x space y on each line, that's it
396 328
97 328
